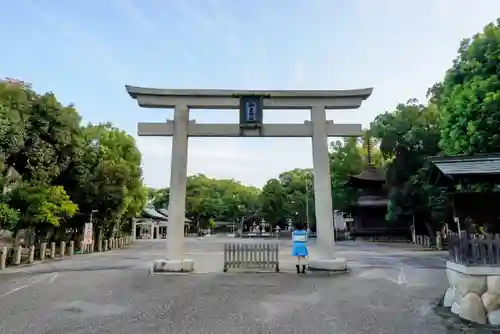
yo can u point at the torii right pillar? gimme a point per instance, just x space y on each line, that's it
326 259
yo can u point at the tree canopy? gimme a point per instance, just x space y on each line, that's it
469 96
56 171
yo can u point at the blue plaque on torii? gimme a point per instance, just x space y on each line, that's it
250 111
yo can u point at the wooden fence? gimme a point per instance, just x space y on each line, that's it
474 249
423 240
251 256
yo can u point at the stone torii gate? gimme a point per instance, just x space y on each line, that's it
251 105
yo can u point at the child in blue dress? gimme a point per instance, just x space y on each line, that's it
299 249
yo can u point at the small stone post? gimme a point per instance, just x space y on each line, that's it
52 250
71 250
31 256
17 255
105 247
63 248
3 257
43 251
439 241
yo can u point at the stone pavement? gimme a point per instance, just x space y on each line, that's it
387 291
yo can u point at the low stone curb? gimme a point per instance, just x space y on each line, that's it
108 245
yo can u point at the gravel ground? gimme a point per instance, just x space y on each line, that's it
386 291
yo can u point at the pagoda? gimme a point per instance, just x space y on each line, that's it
371 207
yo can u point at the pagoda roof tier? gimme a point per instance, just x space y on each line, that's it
370 174
371 201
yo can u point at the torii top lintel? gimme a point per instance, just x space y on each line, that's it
226 99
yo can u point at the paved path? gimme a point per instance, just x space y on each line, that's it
387 291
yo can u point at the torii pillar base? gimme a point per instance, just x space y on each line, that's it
338 264
173 266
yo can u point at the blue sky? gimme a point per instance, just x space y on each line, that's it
86 51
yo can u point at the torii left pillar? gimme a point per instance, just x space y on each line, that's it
177 201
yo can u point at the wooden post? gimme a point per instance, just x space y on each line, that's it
3 257
43 251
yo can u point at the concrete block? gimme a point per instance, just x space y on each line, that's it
173 266
328 264
43 251
63 248
3 257
31 255
71 248
52 250
17 255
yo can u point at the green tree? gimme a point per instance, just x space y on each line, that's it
469 96
41 142
208 198
409 135
9 217
106 177
273 201
346 159
160 198
40 206
14 99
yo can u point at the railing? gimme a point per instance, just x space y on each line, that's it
251 256
474 249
